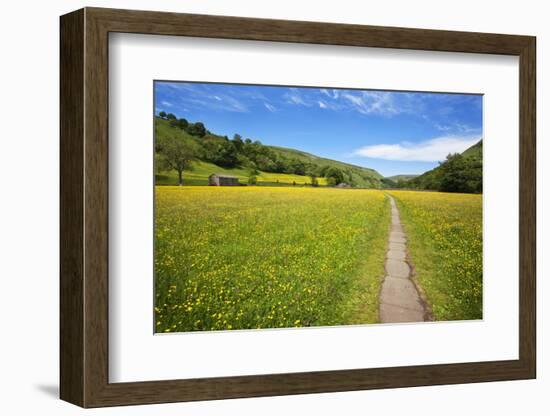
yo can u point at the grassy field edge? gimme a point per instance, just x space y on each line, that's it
371 273
446 252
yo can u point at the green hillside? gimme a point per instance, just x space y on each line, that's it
244 158
475 151
404 178
357 175
458 173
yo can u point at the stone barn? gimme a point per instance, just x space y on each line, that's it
217 179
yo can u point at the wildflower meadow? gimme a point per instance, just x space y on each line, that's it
267 257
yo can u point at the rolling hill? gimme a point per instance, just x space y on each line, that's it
362 177
270 165
475 151
459 173
404 177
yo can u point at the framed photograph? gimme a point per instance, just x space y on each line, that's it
255 207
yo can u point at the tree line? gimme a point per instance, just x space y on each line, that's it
176 153
195 129
458 173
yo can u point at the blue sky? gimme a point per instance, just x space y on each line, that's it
392 132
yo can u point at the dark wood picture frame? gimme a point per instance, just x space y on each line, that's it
84 207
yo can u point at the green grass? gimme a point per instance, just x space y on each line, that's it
267 257
202 170
445 245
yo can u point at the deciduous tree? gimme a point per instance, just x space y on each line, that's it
177 154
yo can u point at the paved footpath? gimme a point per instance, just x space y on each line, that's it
399 299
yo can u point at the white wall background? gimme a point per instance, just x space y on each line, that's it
29 206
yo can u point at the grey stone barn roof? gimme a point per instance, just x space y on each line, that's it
219 175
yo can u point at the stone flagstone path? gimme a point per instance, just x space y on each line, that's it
399 299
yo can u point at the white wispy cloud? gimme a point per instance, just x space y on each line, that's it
199 96
465 128
373 102
432 150
166 104
233 104
179 86
330 94
270 107
442 127
455 127
295 98
221 102
365 102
